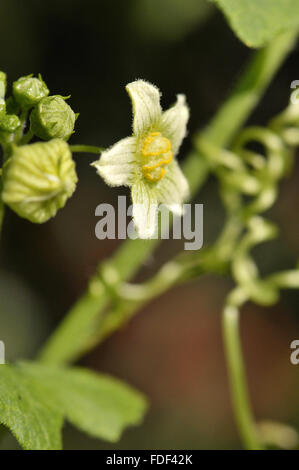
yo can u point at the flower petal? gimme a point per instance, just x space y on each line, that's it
146 105
117 165
173 189
145 207
173 123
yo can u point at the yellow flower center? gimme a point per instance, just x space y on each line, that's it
157 149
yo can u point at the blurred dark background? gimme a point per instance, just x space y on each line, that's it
172 350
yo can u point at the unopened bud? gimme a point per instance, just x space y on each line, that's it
52 118
28 91
38 179
9 123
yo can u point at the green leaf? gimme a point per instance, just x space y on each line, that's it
257 22
97 404
35 398
24 410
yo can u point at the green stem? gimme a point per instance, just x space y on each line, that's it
26 138
86 149
237 379
249 89
73 336
182 268
19 133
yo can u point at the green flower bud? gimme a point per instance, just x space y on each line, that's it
52 118
38 179
28 91
9 123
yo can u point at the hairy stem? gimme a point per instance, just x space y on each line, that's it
74 336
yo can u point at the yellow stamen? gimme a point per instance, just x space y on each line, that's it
148 174
156 145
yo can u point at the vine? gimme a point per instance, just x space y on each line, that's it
38 178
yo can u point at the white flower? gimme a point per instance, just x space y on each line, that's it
146 160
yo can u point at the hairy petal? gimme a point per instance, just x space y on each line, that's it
173 123
173 189
117 165
146 105
145 207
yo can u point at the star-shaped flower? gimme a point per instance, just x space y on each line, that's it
146 160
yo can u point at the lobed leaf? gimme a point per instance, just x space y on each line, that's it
35 398
25 411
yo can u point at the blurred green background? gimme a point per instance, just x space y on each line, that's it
172 350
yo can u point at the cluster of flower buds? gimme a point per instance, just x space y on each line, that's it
37 178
